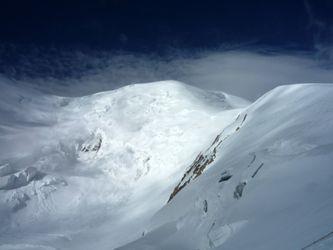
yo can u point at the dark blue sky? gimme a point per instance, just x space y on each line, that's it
153 25
39 36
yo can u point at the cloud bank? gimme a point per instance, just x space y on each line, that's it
246 73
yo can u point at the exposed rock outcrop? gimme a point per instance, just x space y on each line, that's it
19 179
93 144
204 159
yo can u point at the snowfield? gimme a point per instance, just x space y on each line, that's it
166 166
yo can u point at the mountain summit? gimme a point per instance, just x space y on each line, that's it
166 166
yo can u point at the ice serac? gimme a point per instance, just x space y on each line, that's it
89 172
264 182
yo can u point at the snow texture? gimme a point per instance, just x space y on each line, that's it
166 166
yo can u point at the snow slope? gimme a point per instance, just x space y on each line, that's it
89 172
166 166
265 182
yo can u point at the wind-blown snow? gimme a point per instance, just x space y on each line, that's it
78 173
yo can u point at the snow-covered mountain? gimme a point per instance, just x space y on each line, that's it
91 171
265 182
166 166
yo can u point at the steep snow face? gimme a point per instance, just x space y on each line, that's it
87 172
265 182
166 166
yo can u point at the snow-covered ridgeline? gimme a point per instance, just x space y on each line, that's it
97 171
267 186
116 153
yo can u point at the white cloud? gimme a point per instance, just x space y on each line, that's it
247 74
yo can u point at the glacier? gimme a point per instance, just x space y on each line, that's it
165 165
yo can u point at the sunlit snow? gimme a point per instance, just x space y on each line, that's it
96 172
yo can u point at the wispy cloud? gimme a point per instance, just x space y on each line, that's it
322 32
246 73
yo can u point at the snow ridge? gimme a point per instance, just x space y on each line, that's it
267 186
62 158
96 171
